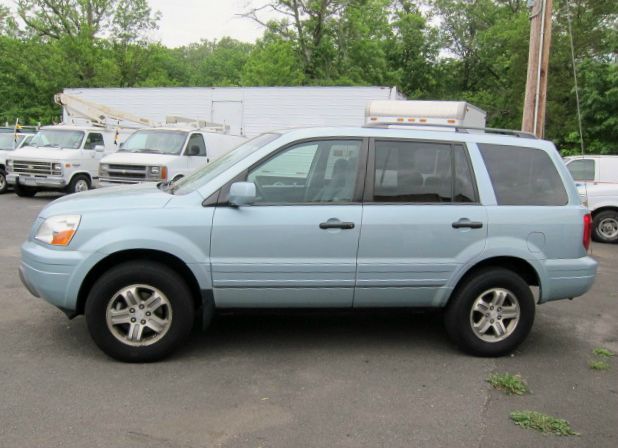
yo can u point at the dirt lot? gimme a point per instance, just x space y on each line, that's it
371 379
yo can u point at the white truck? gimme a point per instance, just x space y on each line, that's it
164 154
596 177
11 140
61 158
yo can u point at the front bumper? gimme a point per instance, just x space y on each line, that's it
568 278
36 181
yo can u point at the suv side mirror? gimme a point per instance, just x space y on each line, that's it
193 151
99 148
242 193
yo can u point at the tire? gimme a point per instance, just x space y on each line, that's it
485 290
24 192
79 183
3 184
605 227
110 299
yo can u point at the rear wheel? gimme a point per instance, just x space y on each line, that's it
139 311
78 184
24 192
491 313
3 184
605 226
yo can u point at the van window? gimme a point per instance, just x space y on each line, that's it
197 141
94 139
523 176
412 171
582 169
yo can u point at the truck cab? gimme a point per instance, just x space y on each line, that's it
11 140
61 158
164 154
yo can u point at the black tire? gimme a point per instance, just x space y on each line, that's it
147 273
458 312
602 223
77 183
24 192
3 185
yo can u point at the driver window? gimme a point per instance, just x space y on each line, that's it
310 172
94 140
196 146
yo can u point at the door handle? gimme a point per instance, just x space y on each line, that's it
466 223
336 225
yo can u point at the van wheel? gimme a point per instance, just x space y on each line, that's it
24 192
3 184
139 311
605 227
491 313
78 184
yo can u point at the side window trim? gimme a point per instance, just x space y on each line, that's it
368 196
359 188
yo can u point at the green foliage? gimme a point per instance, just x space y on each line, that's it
445 49
598 364
508 383
542 423
603 352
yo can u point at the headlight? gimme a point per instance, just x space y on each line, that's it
9 164
58 230
157 172
103 168
57 166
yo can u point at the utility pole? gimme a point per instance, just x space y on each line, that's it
538 66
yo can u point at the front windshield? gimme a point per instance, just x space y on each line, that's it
205 174
156 142
57 138
8 142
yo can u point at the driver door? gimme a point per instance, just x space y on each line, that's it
296 246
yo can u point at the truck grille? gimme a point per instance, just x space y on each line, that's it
124 173
34 168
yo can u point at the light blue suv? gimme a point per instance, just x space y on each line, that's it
328 218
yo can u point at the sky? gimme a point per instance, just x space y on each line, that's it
186 21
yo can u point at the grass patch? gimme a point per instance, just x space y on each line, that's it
508 383
602 352
542 423
598 364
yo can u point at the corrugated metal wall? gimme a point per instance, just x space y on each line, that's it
261 109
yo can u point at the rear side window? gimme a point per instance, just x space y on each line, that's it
582 169
523 176
413 171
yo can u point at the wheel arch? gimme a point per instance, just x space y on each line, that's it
519 266
605 208
165 258
82 173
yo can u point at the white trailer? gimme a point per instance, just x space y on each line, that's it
248 111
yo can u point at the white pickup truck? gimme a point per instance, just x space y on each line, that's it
596 178
62 158
164 154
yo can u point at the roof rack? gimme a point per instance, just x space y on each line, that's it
457 128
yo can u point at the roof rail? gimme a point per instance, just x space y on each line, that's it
465 129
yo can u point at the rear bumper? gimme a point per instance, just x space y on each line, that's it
567 279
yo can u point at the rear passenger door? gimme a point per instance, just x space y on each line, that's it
422 219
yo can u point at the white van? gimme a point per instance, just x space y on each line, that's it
164 154
61 158
10 141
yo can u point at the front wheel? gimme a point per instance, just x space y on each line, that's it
78 184
491 313
605 227
3 184
139 311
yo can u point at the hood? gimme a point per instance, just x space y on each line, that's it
139 158
141 196
43 154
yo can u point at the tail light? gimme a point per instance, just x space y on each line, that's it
587 230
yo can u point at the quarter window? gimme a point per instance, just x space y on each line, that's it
411 171
196 146
582 169
309 172
93 140
523 176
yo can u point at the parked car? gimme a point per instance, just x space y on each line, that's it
597 181
9 141
328 218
